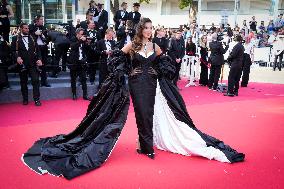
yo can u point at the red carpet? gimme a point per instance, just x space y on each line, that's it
252 123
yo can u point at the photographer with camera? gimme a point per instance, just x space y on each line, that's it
121 16
125 34
5 52
39 33
92 57
104 50
77 60
235 60
216 60
28 58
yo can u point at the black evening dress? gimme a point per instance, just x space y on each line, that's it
161 117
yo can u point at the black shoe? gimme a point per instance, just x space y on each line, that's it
86 98
243 85
229 94
152 156
25 102
45 85
37 103
64 69
54 75
236 93
74 97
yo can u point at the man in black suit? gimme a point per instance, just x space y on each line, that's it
104 49
83 24
28 58
125 34
176 51
77 60
235 60
39 33
135 15
216 60
120 16
161 40
102 19
92 37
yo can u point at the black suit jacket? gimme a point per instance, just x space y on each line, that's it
122 35
236 56
101 47
29 56
136 18
103 20
176 49
118 17
217 53
73 58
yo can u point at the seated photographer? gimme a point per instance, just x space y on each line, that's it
92 58
28 58
104 50
125 34
77 63
235 60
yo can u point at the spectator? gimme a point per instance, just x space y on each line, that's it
253 24
6 13
270 27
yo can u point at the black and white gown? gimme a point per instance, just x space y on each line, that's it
165 118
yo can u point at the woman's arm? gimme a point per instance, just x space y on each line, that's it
126 49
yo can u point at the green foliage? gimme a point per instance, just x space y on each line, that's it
182 3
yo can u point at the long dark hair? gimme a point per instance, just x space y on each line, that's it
137 41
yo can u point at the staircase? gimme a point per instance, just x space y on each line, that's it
60 88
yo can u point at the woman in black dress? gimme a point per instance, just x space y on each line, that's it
161 116
203 61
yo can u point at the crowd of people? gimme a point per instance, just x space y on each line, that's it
91 42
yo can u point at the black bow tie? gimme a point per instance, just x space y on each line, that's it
107 40
25 36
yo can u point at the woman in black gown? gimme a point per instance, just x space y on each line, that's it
204 64
161 116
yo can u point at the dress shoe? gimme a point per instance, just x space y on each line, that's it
74 97
37 103
86 98
45 85
25 102
244 85
151 156
236 93
229 94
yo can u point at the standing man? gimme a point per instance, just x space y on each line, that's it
248 46
77 61
253 24
28 58
216 60
161 40
135 15
121 16
39 33
92 37
278 50
89 17
125 34
176 51
104 49
102 17
236 60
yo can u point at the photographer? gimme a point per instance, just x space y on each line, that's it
92 37
216 60
28 58
161 40
125 34
39 34
77 61
235 60
104 50
4 63
61 47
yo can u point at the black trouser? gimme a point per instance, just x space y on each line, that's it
233 79
203 74
80 71
3 76
92 69
5 28
60 52
276 64
214 76
246 69
44 53
176 78
33 73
